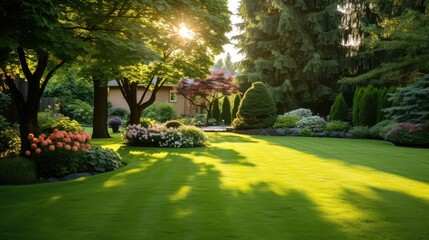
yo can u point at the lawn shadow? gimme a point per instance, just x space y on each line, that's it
226 156
391 213
412 163
174 197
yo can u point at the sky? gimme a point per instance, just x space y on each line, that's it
235 56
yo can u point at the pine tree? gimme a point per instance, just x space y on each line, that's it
234 110
339 110
216 111
294 47
225 114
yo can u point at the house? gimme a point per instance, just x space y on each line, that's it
166 94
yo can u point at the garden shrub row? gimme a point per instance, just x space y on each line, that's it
158 135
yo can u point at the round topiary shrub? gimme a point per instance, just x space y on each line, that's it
63 123
300 112
338 126
314 124
257 109
286 121
173 124
114 123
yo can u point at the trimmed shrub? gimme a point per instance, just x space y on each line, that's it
100 160
185 137
339 110
382 103
161 113
411 103
314 123
286 121
236 104
379 130
58 154
356 116
10 142
225 114
257 108
305 132
360 131
215 110
17 170
409 134
63 123
368 106
119 112
173 124
114 123
300 112
338 126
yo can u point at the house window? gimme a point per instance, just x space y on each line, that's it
173 96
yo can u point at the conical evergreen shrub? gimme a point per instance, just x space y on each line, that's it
339 109
382 102
257 109
234 111
225 113
215 110
356 117
368 106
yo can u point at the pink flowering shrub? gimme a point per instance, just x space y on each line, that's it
158 135
409 134
59 153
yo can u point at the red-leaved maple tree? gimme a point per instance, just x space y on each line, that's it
203 93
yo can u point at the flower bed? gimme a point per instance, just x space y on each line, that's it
158 135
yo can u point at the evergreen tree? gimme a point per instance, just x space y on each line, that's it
388 53
216 111
225 114
368 106
257 109
234 110
356 116
339 110
382 103
295 48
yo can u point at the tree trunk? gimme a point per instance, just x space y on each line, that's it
100 129
135 114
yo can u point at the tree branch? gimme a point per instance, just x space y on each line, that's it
16 94
125 90
24 64
50 73
145 91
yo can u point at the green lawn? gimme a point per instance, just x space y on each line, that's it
241 187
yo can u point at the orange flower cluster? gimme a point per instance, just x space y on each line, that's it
58 140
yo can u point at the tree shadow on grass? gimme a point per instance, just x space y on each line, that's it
411 163
178 198
226 156
394 215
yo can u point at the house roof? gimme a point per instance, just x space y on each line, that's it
113 83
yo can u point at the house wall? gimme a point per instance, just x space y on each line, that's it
182 106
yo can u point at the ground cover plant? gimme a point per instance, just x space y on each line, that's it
306 188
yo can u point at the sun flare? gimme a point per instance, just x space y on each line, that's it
185 32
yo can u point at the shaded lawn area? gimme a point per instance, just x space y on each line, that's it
241 187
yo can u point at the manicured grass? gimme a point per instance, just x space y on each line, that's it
241 187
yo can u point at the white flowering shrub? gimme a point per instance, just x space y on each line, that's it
160 136
300 112
313 123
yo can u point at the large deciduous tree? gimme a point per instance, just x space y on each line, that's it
189 33
203 93
34 45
